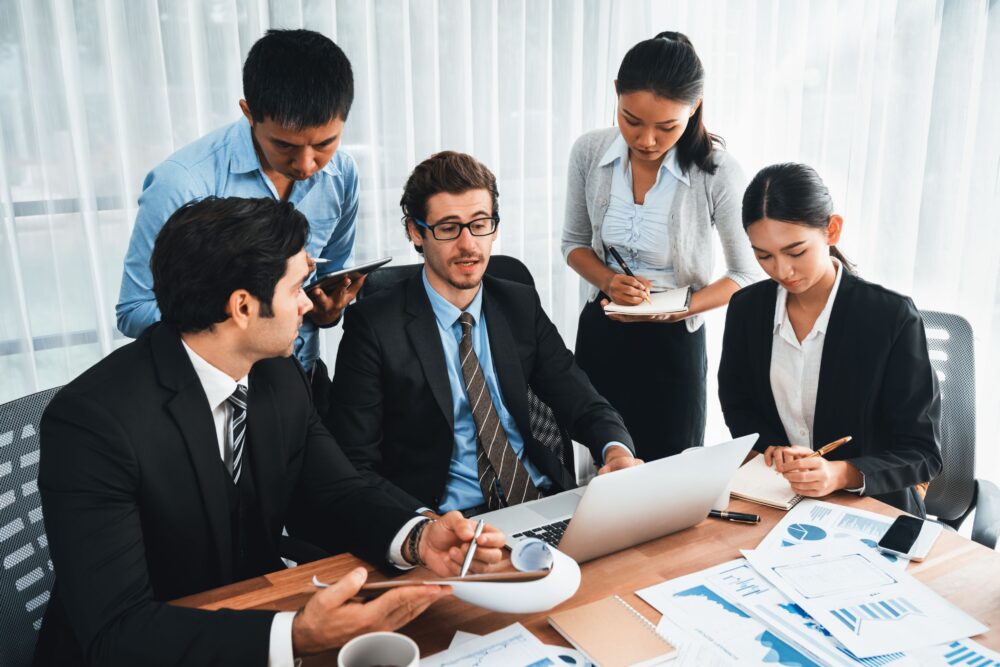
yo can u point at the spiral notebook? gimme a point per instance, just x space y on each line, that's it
756 482
612 633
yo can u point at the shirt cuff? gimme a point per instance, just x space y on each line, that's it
604 452
861 489
395 555
280 652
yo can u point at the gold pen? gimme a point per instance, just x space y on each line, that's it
826 449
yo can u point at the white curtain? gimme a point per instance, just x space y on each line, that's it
894 102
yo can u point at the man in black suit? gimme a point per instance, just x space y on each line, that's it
171 466
430 392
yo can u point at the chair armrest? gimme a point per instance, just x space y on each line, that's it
986 525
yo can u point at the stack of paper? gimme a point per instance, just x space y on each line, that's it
817 595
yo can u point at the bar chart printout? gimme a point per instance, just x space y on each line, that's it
868 605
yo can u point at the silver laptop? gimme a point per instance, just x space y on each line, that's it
628 507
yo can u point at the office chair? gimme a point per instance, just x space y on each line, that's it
953 495
27 575
544 427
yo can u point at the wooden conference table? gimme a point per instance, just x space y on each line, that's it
962 571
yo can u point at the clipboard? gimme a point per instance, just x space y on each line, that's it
327 281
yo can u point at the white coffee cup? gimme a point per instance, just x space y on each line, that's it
379 648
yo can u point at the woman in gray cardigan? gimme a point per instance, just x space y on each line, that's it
654 188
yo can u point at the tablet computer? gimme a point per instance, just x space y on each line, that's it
328 281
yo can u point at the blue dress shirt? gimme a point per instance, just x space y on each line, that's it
224 163
640 231
462 490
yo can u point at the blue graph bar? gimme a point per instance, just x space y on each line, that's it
963 655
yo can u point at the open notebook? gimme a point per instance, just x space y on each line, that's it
663 303
756 482
612 633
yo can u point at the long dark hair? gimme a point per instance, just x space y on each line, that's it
793 193
668 67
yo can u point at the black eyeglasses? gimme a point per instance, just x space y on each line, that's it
449 231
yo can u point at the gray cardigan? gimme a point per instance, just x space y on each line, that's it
712 200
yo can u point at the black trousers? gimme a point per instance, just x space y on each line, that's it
653 373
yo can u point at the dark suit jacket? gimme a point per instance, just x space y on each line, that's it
136 514
875 384
392 409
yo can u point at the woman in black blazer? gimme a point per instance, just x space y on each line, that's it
817 353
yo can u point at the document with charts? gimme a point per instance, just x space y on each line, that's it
867 604
512 646
717 627
815 522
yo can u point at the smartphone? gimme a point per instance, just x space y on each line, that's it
909 537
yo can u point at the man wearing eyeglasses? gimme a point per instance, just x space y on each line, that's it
430 392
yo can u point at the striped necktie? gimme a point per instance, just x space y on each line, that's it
495 458
237 429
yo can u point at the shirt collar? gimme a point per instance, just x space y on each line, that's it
618 152
244 156
218 386
445 312
823 321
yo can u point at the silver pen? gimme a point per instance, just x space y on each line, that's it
472 548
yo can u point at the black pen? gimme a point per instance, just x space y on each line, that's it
738 517
621 263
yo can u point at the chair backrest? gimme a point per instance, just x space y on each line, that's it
544 427
27 575
949 340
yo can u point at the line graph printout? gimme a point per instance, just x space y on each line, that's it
512 646
815 521
867 604
697 605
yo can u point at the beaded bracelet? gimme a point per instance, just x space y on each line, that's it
413 541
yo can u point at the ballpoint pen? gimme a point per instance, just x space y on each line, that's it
738 517
628 271
472 548
826 449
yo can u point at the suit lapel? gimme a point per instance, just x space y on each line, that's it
190 412
761 348
832 370
422 330
507 363
264 449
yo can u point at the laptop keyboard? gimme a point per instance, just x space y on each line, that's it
550 533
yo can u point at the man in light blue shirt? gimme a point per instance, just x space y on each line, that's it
430 394
299 88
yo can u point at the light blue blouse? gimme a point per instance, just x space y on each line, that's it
639 231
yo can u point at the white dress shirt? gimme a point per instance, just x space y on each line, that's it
218 388
795 368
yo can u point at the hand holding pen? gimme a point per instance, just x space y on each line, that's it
810 474
636 283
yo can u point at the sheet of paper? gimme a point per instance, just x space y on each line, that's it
525 597
815 522
698 605
512 646
866 603
692 650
